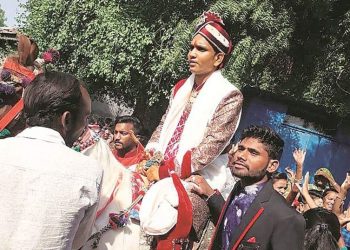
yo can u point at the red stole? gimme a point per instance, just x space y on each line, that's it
130 158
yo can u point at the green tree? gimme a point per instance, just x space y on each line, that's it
2 17
114 46
137 49
6 47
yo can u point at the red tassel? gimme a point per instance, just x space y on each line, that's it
212 16
186 165
165 168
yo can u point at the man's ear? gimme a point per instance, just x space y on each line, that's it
219 57
273 166
66 121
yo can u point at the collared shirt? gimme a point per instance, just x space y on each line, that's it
49 192
236 210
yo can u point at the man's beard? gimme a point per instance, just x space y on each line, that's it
118 145
251 176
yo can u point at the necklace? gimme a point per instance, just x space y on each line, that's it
194 92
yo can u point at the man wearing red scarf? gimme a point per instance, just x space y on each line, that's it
124 147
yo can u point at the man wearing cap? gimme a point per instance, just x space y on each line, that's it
254 216
202 116
324 179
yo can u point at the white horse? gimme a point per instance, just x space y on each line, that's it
116 196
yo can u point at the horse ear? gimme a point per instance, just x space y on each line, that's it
33 54
23 48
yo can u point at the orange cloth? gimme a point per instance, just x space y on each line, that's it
130 158
13 112
18 69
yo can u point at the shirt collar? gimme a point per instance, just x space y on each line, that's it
253 189
42 133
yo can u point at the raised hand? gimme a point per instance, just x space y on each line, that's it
299 156
346 184
231 153
290 174
233 149
344 218
305 189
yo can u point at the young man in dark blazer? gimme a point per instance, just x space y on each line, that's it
254 216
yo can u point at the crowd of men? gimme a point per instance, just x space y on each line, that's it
73 181
324 197
55 190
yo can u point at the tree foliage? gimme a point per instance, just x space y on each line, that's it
5 46
137 49
113 46
2 17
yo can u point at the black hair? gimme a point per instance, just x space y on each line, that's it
322 229
101 121
315 193
301 199
50 95
279 176
140 131
138 127
324 181
267 136
327 190
93 119
108 121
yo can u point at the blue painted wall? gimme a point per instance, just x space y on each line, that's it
322 150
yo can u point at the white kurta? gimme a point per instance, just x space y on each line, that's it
49 192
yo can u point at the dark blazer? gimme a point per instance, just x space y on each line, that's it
269 223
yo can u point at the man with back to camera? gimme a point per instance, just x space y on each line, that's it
49 192
255 216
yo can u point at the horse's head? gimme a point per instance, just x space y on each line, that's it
16 74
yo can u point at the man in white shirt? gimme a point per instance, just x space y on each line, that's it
49 193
